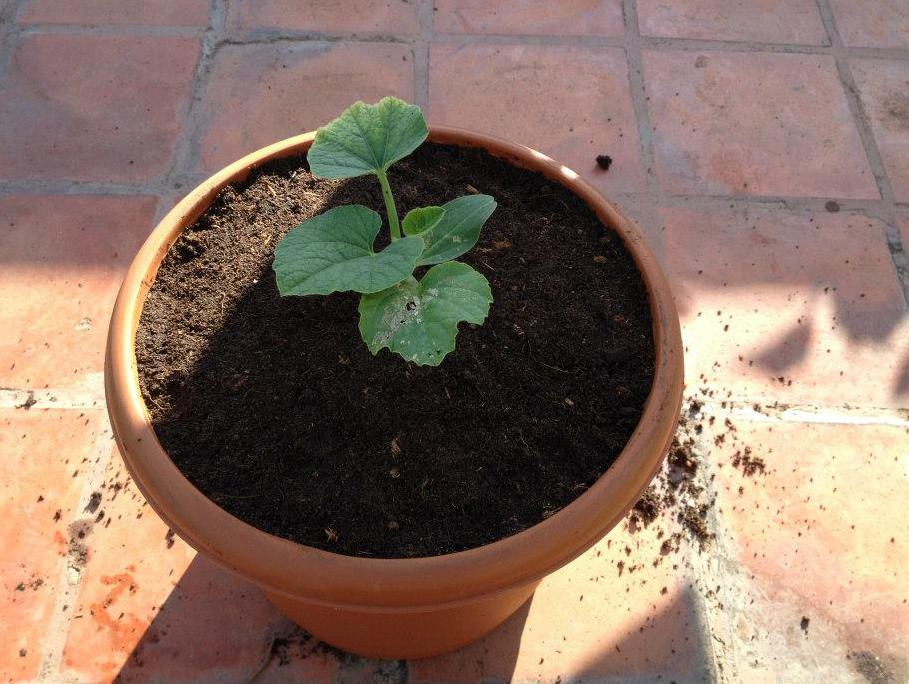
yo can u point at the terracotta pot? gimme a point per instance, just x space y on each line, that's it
390 608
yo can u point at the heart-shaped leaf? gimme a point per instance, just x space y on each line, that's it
367 139
419 320
420 220
457 231
332 252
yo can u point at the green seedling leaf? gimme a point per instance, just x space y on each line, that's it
419 320
367 139
457 231
420 220
333 253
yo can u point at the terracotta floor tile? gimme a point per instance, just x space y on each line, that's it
94 108
260 94
519 92
104 12
772 21
42 451
822 535
810 298
595 619
346 16
884 87
566 18
62 259
884 24
754 124
150 609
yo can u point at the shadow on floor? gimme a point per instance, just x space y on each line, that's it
669 645
214 627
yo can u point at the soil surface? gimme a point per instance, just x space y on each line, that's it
275 409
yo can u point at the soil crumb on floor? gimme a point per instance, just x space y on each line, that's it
275 409
677 488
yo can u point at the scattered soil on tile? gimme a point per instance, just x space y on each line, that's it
749 464
276 410
93 503
678 504
677 488
78 549
871 667
648 507
28 403
34 584
604 161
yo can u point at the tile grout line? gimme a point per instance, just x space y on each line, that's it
76 187
874 207
720 569
71 575
635 62
723 660
866 135
708 567
110 30
805 413
421 55
9 34
182 165
256 36
276 36
90 399
654 194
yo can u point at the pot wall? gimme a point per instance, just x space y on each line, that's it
403 633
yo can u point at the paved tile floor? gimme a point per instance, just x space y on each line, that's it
763 147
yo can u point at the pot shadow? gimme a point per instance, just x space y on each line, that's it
592 643
668 645
240 637
216 627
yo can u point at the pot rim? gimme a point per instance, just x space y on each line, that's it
285 567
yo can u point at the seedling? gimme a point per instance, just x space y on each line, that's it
333 252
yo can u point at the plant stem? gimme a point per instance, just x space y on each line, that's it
393 225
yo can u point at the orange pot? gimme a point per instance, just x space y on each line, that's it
390 608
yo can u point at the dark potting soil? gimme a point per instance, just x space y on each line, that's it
275 409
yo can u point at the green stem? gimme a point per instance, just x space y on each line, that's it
393 225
